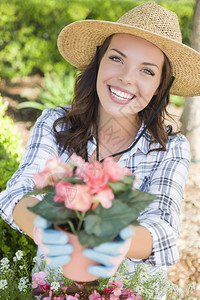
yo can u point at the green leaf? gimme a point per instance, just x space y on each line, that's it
109 221
136 198
54 212
121 186
32 104
35 191
74 180
92 240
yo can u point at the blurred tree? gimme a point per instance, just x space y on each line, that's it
29 30
191 114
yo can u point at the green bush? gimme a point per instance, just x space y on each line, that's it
10 146
29 29
10 155
55 92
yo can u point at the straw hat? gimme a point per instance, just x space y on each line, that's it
77 42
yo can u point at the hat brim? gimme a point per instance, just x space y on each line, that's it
77 43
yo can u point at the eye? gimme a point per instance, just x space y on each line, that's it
115 58
148 72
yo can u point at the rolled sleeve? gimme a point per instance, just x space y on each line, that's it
161 217
41 146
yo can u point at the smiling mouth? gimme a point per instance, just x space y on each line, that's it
121 96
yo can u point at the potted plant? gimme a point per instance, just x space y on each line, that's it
92 201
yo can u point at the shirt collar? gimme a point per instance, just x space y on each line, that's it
142 145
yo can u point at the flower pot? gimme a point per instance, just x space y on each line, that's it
77 268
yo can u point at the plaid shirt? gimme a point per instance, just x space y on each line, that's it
162 173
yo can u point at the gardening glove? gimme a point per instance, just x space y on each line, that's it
110 254
54 243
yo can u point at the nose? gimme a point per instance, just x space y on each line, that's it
128 75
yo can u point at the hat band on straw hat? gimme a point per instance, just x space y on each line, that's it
77 42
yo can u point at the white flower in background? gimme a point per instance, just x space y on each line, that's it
37 260
4 264
3 284
23 284
192 285
143 277
55 286
19 255
139 289
21 267
59 270
57 274
120 276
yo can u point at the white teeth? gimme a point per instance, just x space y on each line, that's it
121 95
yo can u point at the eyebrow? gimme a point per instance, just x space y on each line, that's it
144 63
121 53
150 64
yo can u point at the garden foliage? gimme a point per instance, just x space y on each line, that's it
10 156
50 284
29 30
55 91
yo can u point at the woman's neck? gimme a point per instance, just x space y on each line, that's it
116 134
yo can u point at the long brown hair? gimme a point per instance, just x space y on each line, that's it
81 117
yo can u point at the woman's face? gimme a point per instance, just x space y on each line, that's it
129 75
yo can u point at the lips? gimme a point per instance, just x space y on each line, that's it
120 96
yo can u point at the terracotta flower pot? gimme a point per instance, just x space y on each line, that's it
77 268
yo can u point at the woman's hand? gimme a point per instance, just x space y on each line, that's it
54 243
110 254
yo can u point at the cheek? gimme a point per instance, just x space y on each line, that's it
102 81
148 90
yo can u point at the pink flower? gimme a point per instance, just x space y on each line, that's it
46 286
94 176
133 297
54 170
105 197
39 279
77 160
129 294
81 170
127 172
82 199
117 292
113 297
65 191
69 297
107 290
119 284
95 296
114 171
34 284
41 179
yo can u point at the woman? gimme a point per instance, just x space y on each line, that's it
118 110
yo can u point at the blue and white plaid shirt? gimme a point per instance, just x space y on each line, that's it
162 173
